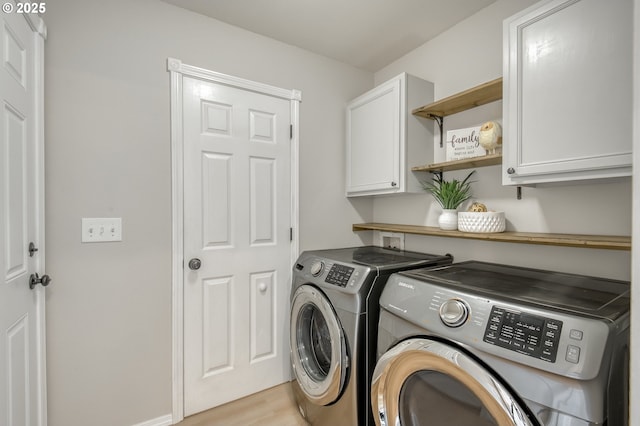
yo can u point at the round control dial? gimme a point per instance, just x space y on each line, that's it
454 312
316 268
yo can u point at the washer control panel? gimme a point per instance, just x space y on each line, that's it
525 333
339 275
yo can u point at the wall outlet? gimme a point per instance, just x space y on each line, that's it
394 240
98 230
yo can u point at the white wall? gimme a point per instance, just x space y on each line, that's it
107 134
467 55
107 155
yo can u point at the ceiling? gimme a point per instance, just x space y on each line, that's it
368 34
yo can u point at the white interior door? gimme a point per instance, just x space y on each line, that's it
237 244
22 352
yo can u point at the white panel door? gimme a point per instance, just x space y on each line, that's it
237 219
22 378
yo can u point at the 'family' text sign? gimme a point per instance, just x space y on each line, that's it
463 143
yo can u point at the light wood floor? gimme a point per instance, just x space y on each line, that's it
272 407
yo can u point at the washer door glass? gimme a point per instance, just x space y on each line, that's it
318 349
314 342
427 382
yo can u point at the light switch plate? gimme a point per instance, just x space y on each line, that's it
101 229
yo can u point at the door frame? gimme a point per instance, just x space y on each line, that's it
40 31
178 70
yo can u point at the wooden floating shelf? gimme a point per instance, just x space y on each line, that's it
467 163
476 96
605 242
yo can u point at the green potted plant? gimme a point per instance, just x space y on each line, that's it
449 194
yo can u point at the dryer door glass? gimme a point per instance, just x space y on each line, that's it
427 382
318 349
433 398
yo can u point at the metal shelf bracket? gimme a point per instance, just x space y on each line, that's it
440 120
438 173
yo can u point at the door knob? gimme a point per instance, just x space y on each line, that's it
34 279
195 264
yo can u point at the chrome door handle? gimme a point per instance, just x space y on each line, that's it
34 280
195 264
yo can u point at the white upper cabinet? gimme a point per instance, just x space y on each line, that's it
568 92
384 140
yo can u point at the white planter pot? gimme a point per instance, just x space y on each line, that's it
448 220
481 221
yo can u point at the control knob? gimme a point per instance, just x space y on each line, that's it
454 312
316 268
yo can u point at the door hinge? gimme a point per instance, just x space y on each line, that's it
290 234
290 131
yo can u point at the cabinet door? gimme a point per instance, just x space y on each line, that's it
568 97
374 136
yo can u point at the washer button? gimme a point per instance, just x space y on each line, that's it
575 334
573 354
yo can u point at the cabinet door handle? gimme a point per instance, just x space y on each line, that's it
394 184
511 170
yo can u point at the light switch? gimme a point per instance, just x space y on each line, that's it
101 229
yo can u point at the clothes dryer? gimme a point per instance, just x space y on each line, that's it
476 343
334 316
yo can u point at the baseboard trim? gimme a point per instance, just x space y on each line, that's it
160 421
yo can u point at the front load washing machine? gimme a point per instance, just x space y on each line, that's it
334 315
475 343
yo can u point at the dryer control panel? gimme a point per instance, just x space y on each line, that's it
529 334
339 274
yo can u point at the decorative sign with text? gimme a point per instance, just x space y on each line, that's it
463 143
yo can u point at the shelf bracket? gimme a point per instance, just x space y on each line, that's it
440 120
437 173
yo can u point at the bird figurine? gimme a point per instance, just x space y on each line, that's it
490 136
